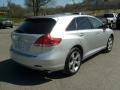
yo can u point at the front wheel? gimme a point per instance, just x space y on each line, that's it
109 44
73 61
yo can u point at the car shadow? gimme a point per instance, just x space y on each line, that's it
93 56
13 73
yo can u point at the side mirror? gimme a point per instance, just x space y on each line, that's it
104 26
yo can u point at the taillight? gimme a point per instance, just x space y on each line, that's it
47 40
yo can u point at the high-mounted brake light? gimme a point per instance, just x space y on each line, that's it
47 40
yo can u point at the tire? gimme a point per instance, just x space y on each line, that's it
3 27
109 45
73 62
11 26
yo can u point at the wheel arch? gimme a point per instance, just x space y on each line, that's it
80 48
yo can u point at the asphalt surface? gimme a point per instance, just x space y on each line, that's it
100 72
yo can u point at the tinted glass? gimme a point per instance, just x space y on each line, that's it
83 23
72 26
96 23
108 15
36 26
118 17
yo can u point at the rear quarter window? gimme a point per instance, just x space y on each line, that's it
72 26
36 26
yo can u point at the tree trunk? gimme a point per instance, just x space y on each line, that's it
37 8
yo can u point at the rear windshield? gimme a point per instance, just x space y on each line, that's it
36 26
108 15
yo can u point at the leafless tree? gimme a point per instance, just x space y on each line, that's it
35 5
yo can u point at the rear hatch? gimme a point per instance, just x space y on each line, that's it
26 36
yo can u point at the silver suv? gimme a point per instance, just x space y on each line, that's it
59 42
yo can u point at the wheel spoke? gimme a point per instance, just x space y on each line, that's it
110 44
74 61
73 68
77 56
71 64
77 63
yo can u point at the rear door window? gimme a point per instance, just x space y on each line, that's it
83 23
37 26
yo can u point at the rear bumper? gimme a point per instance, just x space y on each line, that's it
49 61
